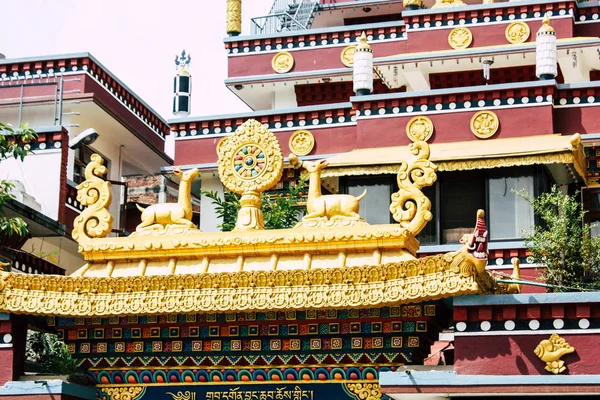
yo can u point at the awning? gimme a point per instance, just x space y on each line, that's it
468 155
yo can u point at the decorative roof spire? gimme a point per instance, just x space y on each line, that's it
362 69
545 51
183 61
362 43
546 28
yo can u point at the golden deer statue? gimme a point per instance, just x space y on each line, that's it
319 206
171 215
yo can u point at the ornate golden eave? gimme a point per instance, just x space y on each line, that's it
469 155
424 279
331 259
182 251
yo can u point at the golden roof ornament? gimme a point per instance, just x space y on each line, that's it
362 43
250 162
172 215
410 207
326 210
551 350
94 193
448 3
546 28
234 17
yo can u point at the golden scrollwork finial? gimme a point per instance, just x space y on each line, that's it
94 221
410 207
551 350
250 162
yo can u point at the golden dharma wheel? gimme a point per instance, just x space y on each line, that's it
484 124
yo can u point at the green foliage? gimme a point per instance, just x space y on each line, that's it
13 143
279 211
50 354
563 241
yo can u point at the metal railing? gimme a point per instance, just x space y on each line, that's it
285 16
29 96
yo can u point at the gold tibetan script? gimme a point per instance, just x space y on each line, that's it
282 393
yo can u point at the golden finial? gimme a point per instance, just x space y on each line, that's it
546 28
362 42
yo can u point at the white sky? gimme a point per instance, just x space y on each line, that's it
137 40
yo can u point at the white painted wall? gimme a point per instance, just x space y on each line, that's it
208 215
40 174
57 250
284 98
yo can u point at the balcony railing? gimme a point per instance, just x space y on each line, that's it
285 16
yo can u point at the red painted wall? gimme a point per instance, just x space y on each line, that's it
490 35
304 60
383 132
577 120
327 141
418 41
455 127
513 355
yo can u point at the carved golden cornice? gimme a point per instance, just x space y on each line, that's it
566 157
191 244
424 279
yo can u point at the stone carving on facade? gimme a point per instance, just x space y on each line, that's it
460 38
341 208
551 350
302 142
419 128
347 55
172 215
484 124
282 62
517 32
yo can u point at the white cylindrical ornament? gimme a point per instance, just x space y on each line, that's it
182 87
362 72
546 66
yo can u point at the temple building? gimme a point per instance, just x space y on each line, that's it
414 123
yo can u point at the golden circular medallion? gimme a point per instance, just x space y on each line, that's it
460 38
282 62
302 142
419 129
517 32
347 55
484 124
250 159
